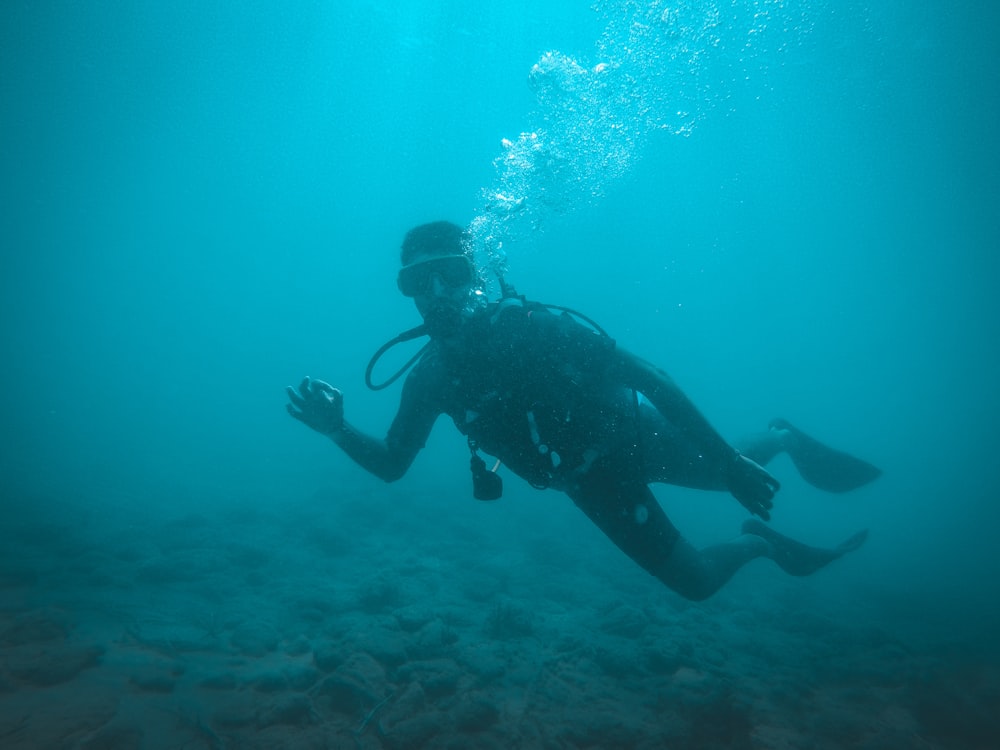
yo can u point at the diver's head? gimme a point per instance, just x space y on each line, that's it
438 273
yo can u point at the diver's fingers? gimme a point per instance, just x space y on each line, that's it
304 387
322 385
294 397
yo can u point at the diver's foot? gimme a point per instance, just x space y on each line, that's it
822 466
796 558
779 427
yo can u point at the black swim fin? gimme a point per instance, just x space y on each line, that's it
824 467
799 559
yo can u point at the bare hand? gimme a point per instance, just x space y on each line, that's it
318 405
752 486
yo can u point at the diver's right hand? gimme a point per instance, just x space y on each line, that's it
752 485
318 405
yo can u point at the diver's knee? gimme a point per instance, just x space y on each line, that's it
691 579
692 591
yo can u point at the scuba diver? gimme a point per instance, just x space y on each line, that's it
559 403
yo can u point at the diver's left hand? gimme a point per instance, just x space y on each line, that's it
318 405
752 485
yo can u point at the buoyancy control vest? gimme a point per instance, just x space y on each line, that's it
521 382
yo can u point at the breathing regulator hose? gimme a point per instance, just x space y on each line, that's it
413 333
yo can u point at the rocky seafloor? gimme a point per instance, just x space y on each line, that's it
337 624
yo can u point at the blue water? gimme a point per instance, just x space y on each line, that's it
789 206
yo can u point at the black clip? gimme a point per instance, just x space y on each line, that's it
486 483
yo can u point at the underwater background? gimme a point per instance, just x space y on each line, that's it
792 207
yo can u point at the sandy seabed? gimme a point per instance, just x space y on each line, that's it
334 624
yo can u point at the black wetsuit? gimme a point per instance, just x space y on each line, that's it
545 395
529 387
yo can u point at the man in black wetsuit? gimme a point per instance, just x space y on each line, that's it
564 407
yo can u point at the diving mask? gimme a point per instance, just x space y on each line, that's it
454 271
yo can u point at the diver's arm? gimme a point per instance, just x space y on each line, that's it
386 460
321 407
748 482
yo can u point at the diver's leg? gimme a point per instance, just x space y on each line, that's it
667 456
670 458
628 513
761 447
696 574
